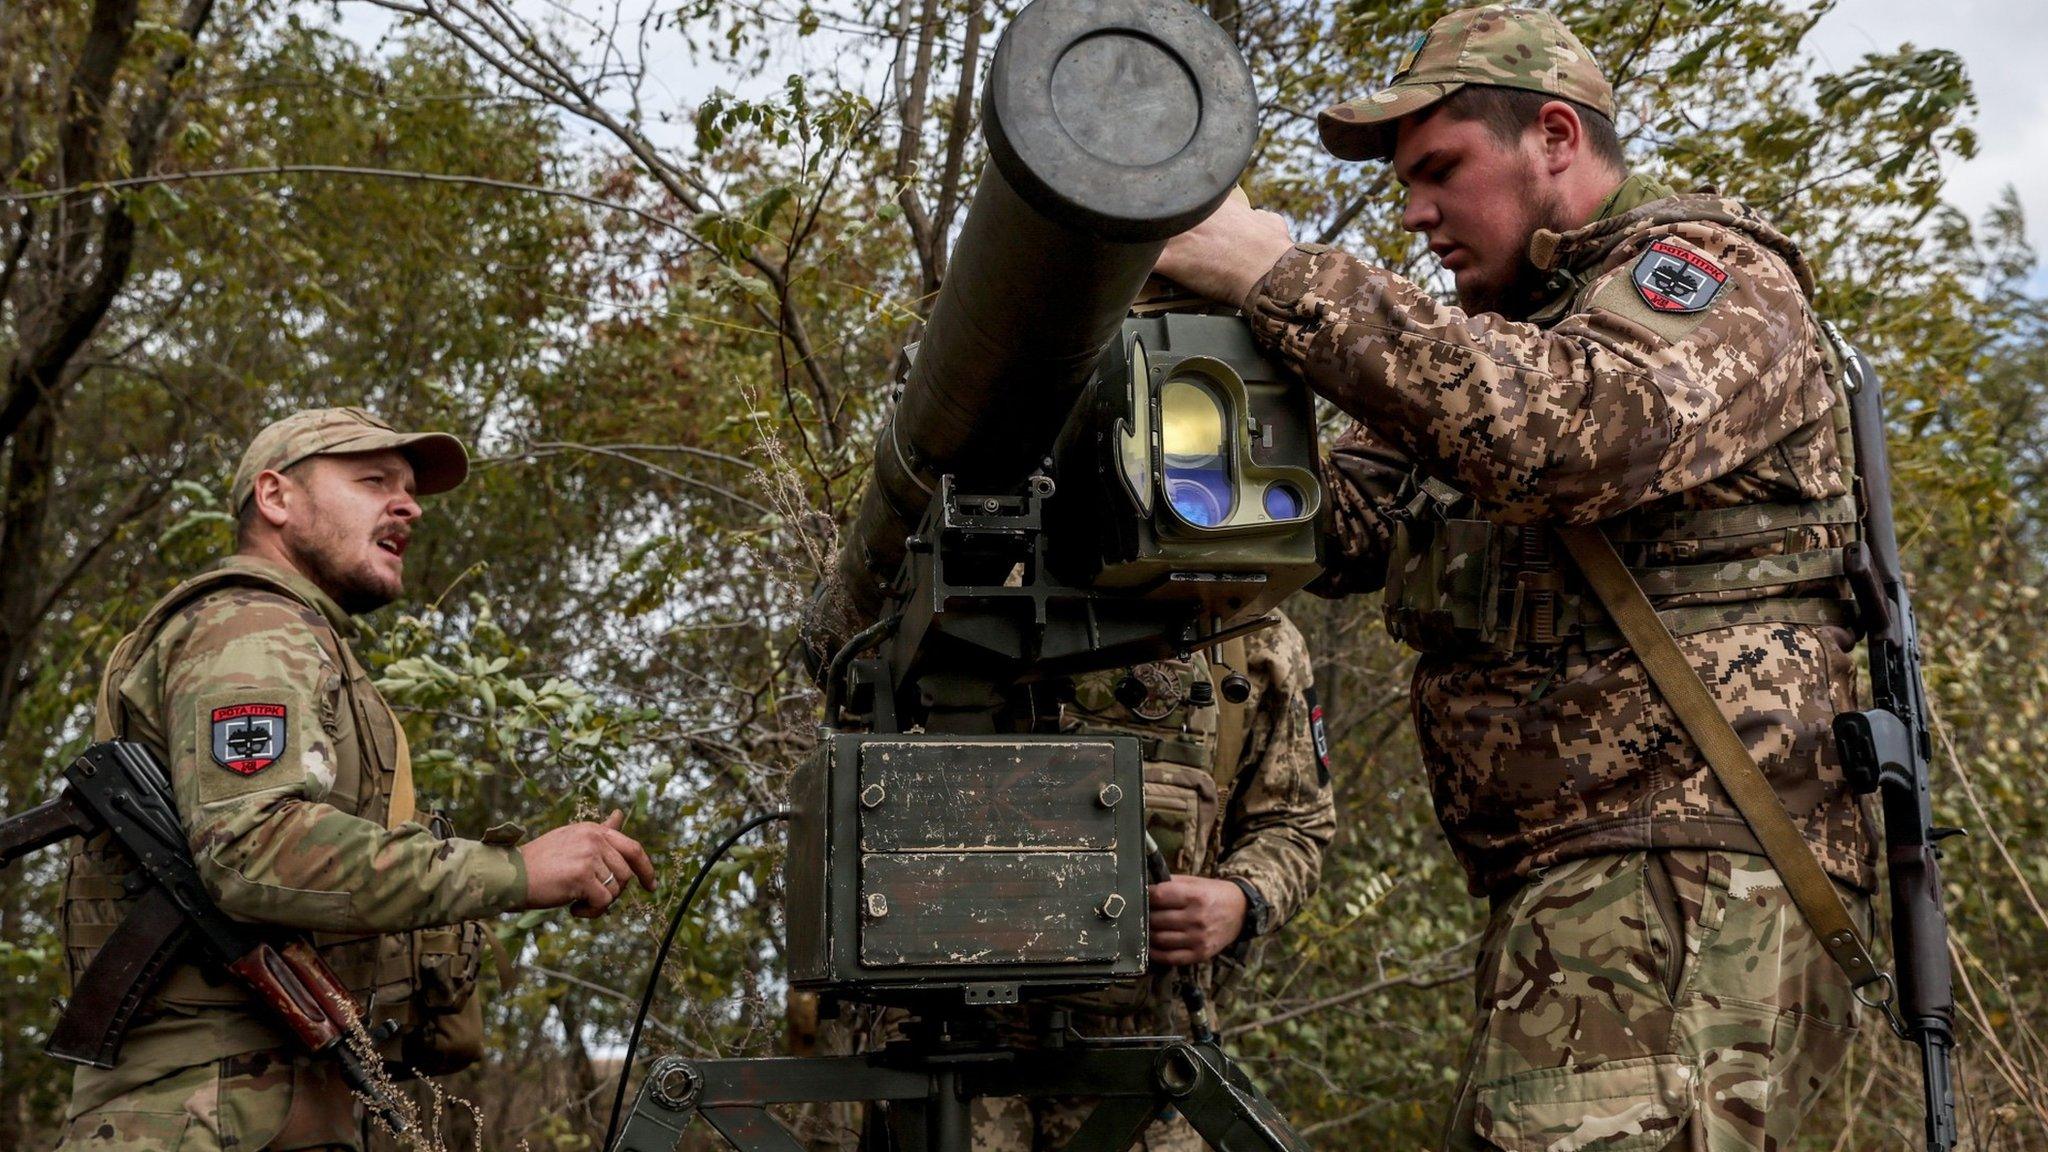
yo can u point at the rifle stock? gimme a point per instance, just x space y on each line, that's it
120 788
126 970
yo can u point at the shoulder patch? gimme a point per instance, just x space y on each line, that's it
1318 734
1671 278
247 738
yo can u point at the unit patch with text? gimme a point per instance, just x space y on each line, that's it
247 738
1674 279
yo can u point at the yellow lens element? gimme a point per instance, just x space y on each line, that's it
1197 463
1136 448
1191 421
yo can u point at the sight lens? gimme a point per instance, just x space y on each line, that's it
1282 502
1197 468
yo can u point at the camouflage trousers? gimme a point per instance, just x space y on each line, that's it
1646 1001
259 1102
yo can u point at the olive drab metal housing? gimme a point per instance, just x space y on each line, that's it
1188 470
1061 488
983 864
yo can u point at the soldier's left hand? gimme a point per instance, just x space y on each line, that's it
1194 918
1225 256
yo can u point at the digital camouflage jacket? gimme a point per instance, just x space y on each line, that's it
1677 368
1231 790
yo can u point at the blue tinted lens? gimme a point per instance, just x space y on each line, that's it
1282 502
1201 496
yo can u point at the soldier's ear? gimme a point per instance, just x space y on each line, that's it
1561 136
273 498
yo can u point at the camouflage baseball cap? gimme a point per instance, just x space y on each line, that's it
439 462
1505 47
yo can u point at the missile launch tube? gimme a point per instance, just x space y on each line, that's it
1111 125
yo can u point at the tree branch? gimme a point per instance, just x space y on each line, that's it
653 1021
352 171
1425 979
956 143
679 477
909 134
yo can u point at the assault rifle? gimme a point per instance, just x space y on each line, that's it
119 788
1885 749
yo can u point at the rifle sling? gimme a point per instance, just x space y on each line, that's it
1680 684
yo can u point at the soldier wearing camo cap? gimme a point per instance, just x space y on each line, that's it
294 783
1646 362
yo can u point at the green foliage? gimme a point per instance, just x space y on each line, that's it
671 406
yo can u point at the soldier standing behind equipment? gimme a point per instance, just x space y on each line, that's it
294 783
1648 362
1238 798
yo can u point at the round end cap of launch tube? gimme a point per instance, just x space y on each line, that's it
1128 119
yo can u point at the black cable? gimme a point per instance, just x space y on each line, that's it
835 673
675 923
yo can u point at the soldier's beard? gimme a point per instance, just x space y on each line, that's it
1519 293
333 558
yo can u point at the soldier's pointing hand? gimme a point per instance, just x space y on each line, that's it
584 865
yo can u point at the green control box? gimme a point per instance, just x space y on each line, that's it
973 868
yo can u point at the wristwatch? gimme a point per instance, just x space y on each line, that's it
1258 914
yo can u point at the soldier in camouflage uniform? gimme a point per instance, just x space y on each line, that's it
1649 362
1238 799
294 784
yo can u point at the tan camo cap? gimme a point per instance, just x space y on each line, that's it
439 462
1499 45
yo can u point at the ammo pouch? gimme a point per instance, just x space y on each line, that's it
446 1031
1464 586
440 1019
1448 588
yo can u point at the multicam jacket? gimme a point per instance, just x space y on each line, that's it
282 757
1676 369
1231 790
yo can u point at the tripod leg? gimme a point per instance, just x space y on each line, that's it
1223 1105
949 1114
1114 1125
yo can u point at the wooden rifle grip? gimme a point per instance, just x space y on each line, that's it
278 986
324 985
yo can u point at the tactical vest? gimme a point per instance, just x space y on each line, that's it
1191 756
1191 753
1461 585
380 970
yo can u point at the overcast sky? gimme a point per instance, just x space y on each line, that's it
2003 42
